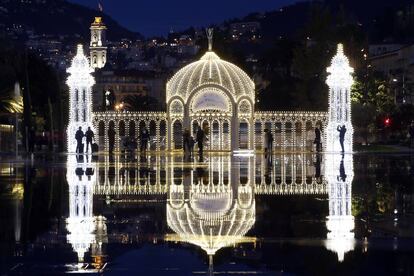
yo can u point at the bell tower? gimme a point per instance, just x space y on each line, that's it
98 43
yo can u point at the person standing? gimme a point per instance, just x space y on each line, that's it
268 142
186 143
317 140
111 140
89 137
79 137
144 138
342 131
200 141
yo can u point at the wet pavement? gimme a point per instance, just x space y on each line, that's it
286 214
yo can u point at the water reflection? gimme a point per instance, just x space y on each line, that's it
245 211
340 222
209 204
84 229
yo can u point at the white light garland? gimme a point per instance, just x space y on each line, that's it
80 82
339 173
80 223
340 82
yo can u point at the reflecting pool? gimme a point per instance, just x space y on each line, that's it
306 214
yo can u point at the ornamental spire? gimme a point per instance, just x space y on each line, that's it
209 32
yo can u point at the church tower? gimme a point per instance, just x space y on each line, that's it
98 43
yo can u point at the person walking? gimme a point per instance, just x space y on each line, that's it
111 140
200 141
317 140
79 137
144 138
342 131
89 137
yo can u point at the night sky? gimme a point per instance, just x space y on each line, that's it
157 17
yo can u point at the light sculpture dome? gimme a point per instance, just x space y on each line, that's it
210 71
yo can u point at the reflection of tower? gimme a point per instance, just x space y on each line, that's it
340 222
83 228
80 84
98 43
339 81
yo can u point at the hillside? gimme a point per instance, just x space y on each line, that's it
380 19
57 17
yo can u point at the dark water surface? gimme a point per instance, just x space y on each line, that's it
293 214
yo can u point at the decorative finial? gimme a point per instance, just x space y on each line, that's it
209 32
340 48
79 50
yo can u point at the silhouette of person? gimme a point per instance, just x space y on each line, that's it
318 166
144 138
317 139
79 137
342 131
89 137
200 141
342 175
268 141
186 144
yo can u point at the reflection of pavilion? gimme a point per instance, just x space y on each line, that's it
289 174
210 216
211 204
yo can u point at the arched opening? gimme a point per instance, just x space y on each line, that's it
177 134
153 135
310 136
101 133
258 135
111 127
163 135
121 129
226 135
215 137
244 135
288 136
132 129
206 128
298 136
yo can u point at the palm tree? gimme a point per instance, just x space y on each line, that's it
11 104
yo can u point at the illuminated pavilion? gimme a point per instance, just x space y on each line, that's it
219 97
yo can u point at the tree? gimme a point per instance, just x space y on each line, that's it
141 103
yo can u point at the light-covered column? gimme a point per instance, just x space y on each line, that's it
80 82
339 82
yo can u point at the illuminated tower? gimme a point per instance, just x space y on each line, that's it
339 82
98 44
339 173
80 82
